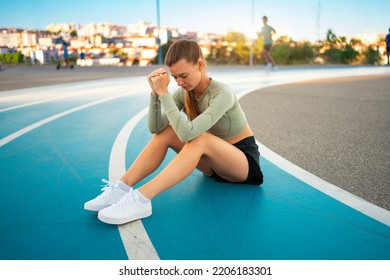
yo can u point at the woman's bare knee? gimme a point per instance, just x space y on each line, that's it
201 142
168 138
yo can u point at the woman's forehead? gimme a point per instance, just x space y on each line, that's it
180 67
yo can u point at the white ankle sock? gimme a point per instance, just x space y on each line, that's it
142 198
123 186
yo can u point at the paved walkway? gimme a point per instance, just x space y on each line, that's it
19 77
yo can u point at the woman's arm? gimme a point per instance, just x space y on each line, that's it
187 130
157 119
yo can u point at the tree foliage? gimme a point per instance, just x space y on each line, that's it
292 53
73 33
371 56
232 50
346 55
339 51
235 49
12 58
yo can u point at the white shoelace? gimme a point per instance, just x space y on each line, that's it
108 188
127 199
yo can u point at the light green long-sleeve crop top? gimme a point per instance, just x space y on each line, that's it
221 113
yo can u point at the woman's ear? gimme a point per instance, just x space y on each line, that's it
201 64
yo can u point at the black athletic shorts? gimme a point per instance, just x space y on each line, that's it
249 147
267 47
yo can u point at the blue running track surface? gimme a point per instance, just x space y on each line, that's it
57 143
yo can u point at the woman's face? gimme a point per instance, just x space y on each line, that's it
186 75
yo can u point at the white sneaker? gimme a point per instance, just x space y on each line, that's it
112 192
129 208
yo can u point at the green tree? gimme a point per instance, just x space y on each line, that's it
219 55
331 37
233 51
339 50
235 37
240 54
281 53
12 58
292 53
372 56
73 33
333 56
349 55
346 55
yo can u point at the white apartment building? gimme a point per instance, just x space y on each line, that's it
10 37
107 30
137 41
29 39
62 27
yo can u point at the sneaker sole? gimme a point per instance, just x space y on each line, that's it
114 221
93 208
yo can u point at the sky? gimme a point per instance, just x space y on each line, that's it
300 19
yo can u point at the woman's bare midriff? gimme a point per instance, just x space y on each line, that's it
247 132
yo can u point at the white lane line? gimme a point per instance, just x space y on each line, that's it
50 99
33 126
64 93
134 236
47 91
41 92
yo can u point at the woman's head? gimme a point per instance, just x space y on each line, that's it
186 63
187 66
186 49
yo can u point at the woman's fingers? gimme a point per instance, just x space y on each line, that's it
158 72
159 80
159 77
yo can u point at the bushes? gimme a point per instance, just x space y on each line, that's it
282 53
335 50
346 55
292 53
225 55
372 56
12 58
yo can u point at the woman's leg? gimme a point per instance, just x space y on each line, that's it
148 160
152 156
205 152
270 58
265 56
210 152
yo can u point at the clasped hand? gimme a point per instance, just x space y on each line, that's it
159 81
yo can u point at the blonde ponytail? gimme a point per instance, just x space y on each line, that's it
190 106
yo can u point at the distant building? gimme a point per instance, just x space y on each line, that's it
45 43
10 37
104 29
102 43
29 38
165 34
5 50
62 27
141 28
